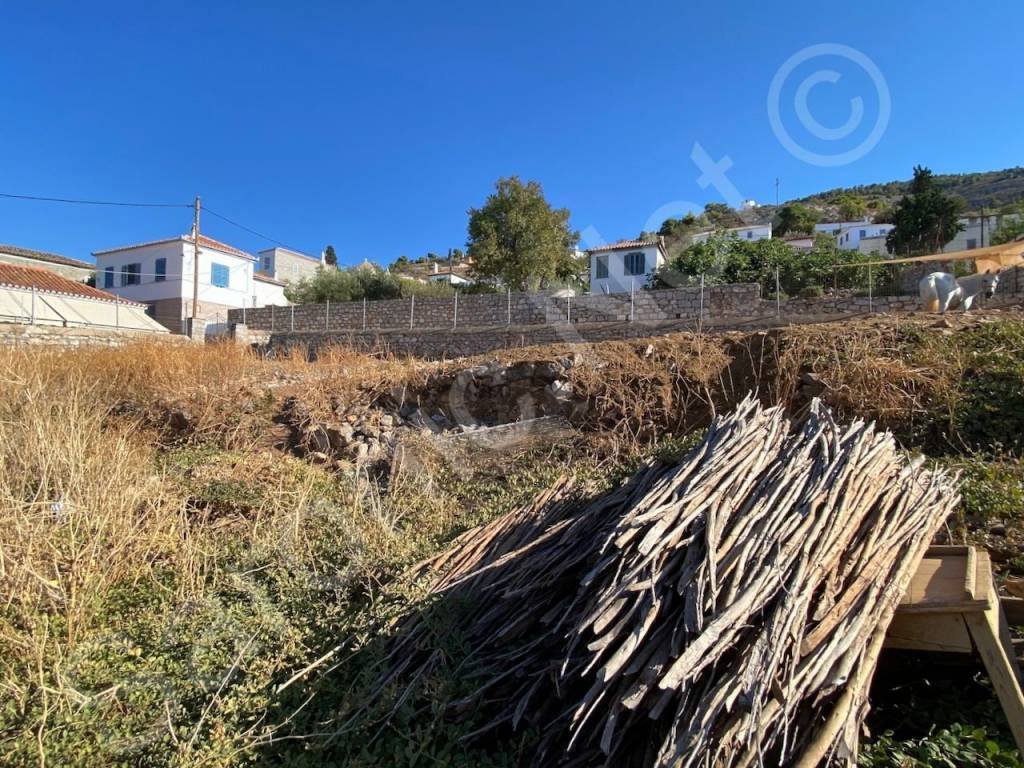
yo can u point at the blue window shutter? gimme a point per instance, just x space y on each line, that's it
108 277
161 270
219 275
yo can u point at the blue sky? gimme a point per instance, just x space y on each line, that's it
374 126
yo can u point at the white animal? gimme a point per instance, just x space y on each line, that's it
941 291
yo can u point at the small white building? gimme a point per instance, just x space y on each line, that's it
450 275
835 227
160 274
977 231
624 266
751 232
849 238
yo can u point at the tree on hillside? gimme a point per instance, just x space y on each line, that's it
852 208
517 238
721 216
330 257
795 217
925 219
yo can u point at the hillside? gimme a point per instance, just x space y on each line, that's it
990 189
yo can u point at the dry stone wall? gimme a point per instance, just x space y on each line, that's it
17 334
489 310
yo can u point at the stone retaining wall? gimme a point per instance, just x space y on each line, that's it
16 334
495 309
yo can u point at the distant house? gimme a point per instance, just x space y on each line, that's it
751 232
835 227
287 265
624 266
977 231
849 238
37 296
160 273
73 269
453 275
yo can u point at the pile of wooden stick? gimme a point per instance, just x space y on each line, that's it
728 610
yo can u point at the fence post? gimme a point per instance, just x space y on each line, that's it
327 315
243 311
412 309
117 311
871 305
509 306
364 313
32 316
568 310
835 287
778 297
455 315
632 301
293 318
271 318
700 312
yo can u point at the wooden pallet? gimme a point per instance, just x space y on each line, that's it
951 605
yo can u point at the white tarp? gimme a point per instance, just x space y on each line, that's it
16 305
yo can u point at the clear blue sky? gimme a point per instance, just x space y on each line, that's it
374 126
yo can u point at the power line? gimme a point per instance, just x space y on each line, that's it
249 230
94 202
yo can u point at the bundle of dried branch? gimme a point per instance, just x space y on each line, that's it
728 610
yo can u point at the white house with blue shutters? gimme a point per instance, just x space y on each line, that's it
624 266
160 274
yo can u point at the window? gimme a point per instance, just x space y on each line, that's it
750 234
108 277
863 233
219 275
971 244
131 274
601 267
161 270
635 263
265 263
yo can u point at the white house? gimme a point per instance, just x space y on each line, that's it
977 231
835 227
849 238
160 273
451 275
624 266
751 232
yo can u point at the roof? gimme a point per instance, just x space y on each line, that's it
204 241
291 251
48 281
624 244
52 258
263 278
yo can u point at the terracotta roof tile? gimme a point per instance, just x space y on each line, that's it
625 244
48 281
204 241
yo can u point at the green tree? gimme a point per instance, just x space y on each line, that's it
925 219
721 216
517 238
330 257
795 217
852 208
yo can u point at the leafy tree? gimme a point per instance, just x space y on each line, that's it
330 256
925 219
796 217
852 208
338 285
517 238
402 262
721 216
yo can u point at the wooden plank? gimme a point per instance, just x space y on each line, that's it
950 580
944 632
984 629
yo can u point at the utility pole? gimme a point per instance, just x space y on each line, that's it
981 222
195 260
776 191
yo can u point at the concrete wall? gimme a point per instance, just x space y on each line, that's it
488 310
